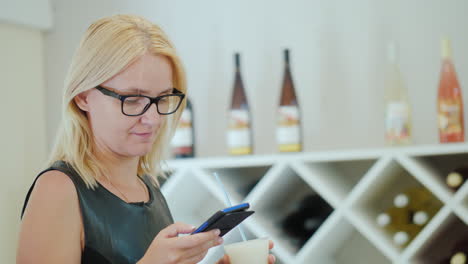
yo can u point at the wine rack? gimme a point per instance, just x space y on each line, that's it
357 184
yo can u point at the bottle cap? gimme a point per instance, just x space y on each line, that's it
458 258
454 179
446 48
401 200
383 219
400 238
420 218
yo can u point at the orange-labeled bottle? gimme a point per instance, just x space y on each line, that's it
449 101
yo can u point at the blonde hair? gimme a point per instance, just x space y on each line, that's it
108 46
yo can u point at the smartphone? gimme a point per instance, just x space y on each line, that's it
225 220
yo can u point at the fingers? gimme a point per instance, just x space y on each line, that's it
271 244
176 229
224 260
196 240
194 259
203 249
271 259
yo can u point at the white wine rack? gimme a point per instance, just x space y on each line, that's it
358 184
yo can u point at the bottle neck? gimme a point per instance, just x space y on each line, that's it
446 50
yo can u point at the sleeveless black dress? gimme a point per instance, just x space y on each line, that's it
115 231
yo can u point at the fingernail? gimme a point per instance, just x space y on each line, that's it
220 240
217 232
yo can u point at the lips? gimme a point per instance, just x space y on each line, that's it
144 135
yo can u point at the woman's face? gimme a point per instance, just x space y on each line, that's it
128 136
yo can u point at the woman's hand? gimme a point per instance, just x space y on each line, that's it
168 248
271 258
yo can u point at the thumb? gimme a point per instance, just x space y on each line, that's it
178 228
224 260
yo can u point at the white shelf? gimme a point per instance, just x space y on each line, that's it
358 184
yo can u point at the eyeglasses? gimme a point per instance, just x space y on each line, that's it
135 105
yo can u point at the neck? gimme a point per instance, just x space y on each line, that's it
121 170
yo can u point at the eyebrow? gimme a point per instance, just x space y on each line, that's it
134 90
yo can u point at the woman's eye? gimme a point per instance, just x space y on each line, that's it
132 100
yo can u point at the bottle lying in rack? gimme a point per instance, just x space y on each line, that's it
303 222
394 219
183 142
398 223
239 137
406 234
420 202
458 254
457 177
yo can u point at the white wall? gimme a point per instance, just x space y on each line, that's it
22 132
338 59
32 13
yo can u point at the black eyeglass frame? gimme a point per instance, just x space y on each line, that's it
154 100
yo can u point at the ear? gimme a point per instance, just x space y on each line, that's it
81 100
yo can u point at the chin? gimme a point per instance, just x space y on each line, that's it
138 152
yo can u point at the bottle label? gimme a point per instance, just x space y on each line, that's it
238 137
450 117
183 136
397 127
288 130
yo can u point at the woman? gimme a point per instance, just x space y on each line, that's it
99 201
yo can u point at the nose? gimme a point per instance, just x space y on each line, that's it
151 116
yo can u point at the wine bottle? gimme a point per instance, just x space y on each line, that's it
288 133
421 204
457 177
183 142
459 252
421 218
414 198
459 258
398 113
450 103
404 236
239 137
394 219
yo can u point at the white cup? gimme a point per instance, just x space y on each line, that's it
248 252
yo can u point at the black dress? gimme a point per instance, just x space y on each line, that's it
115 231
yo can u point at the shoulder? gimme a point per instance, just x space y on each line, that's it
54 190
52 221
55 185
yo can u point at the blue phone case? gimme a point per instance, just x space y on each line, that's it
225 220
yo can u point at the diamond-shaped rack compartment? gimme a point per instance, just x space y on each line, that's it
434 169
189 198
335 178
338 242
238 181
440 247
279 215
374 195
